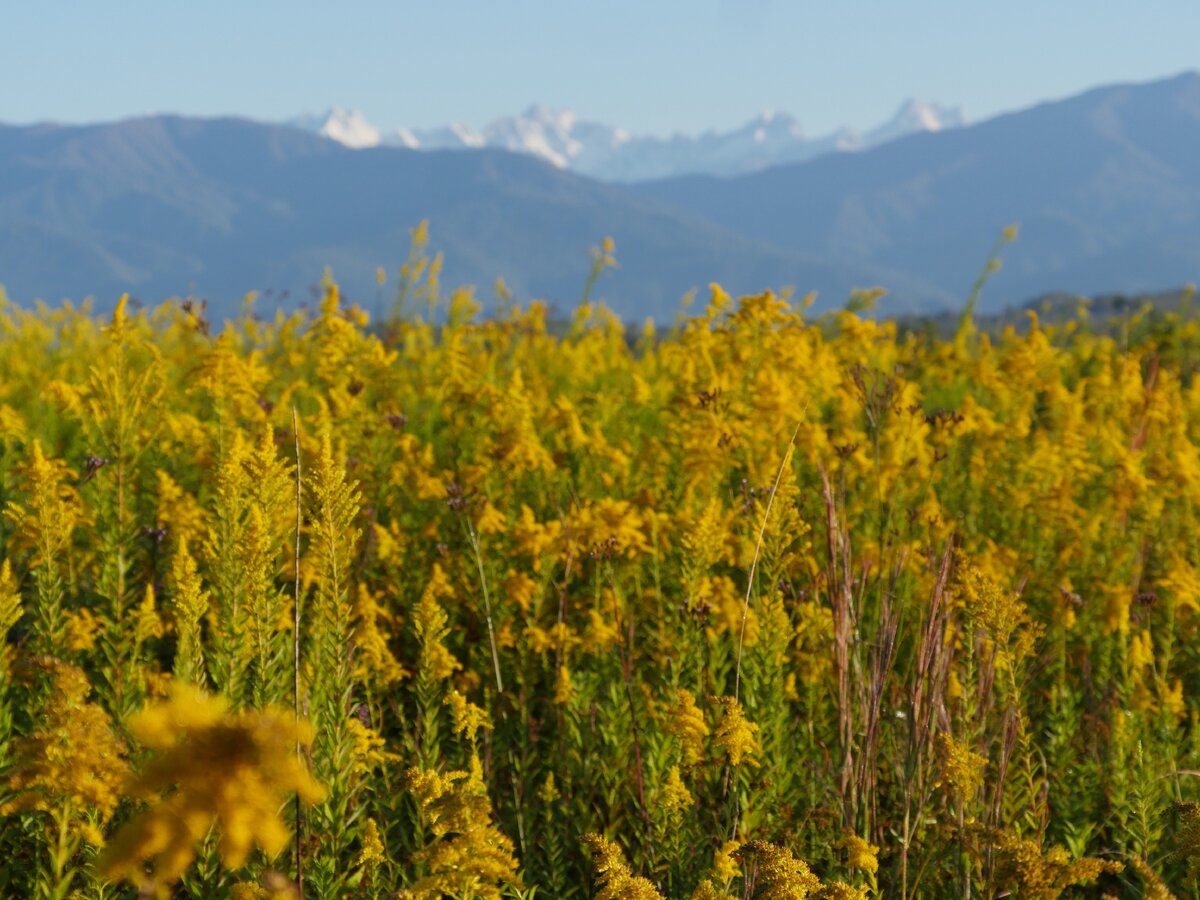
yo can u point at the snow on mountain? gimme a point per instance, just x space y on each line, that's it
540 132
454 136
613 154
914 116
348 127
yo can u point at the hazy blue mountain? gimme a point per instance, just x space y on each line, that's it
168 206
1105 185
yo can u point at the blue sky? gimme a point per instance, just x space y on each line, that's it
650 65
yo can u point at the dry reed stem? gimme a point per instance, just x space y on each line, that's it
296 654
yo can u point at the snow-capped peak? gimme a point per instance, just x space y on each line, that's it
549 134
559 120
602 151
454 136
775 125
914 116
346 126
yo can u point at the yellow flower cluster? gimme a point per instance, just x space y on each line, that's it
429 621
684 721
676 798
614 880
467 717
736 734
1027 871
962 768
469 855
763 578
862 855
778 875
373 852
72 766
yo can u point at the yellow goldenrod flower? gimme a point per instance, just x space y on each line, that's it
147 624
191 604
839 890
491 520
467 717
43 526
564 690
778 874
469 855
1173 701
675 796
736 734
1141 651
1152 886
706 890
705 541
178 511
729 607
684 721
82 630
275 886
520 589
209 767
518 446
374 660
372 854
943 504
534 539
601 634
614 880
246 890
429 623
861 856
725 867
1025 869
609 522
369 747
954 688
997 611
72 764
962 768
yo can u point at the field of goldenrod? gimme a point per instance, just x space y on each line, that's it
766 605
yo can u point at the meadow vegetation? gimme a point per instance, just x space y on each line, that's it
763 604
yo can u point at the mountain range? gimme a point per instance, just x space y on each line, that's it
1105 186
610 153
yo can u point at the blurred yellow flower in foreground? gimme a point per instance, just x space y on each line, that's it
234 770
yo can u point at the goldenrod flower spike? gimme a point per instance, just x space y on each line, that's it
684 721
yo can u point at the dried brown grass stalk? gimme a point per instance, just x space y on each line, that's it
927 705
841 603
296 652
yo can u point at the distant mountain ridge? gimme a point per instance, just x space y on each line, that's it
1105 186
165 206
614 154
